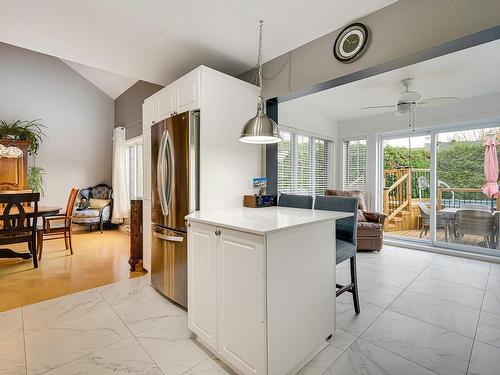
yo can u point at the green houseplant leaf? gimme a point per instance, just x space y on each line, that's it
31 131
35 179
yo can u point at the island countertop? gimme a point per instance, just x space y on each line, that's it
263 221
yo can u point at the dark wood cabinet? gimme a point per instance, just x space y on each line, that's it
14 172
135 233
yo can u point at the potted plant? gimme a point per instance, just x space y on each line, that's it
32 133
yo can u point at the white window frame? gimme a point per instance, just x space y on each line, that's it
344 160
294 162
131 142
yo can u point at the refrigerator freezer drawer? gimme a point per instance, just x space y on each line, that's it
169 264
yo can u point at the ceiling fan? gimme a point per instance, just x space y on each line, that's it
409 100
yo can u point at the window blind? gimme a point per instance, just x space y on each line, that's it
304 164
355 165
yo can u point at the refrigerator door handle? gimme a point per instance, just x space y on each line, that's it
160 174
168 238
169 157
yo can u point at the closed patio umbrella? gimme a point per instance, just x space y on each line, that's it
490 189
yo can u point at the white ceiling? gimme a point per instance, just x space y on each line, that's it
159 40
468 73
110 83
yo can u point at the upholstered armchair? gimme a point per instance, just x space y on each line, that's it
93 206
370 224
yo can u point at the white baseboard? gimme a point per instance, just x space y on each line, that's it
441 250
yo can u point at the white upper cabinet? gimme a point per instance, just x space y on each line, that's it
187 91
148 112
165 103
180 96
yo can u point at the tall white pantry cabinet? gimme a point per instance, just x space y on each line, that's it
227 166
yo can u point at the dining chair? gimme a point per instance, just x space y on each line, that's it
295 201
19 216
58 226
475 222
346 238
476 206
441 221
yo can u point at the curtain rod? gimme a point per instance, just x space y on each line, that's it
129 125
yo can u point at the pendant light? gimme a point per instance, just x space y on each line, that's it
260 129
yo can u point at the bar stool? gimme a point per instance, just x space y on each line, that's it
345 239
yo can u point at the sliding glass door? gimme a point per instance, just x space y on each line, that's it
431 188
466 216
406 186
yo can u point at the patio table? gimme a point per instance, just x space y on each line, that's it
449 214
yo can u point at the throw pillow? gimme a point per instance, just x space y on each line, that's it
99 203
84 204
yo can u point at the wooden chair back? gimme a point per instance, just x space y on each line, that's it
71 202
26 204
18 215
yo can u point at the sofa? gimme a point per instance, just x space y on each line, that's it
93 206
370 224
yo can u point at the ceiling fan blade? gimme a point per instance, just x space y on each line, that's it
438 101
379 106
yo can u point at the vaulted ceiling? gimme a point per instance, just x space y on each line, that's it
159 40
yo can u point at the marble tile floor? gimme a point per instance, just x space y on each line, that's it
421 313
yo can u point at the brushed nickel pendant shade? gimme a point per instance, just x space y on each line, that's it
260 129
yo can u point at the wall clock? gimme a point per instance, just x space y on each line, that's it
351 42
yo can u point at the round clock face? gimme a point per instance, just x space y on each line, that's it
351 42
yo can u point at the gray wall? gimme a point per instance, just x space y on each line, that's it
401 29
79 119
128 106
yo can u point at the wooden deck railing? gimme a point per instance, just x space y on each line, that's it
397 196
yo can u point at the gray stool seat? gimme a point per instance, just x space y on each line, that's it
344 251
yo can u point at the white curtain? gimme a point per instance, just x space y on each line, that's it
121 199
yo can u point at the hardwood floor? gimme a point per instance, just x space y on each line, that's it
98 259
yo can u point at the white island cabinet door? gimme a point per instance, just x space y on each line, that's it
202 310
241 301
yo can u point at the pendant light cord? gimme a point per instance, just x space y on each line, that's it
259 57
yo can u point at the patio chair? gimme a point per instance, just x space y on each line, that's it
476 206
441 221
474 222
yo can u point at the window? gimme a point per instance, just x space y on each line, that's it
135 167
304 164
355 165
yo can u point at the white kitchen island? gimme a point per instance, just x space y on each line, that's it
261 285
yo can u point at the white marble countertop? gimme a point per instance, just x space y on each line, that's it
262 221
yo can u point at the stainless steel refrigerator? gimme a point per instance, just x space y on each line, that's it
175 193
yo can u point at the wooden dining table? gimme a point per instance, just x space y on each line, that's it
43 211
